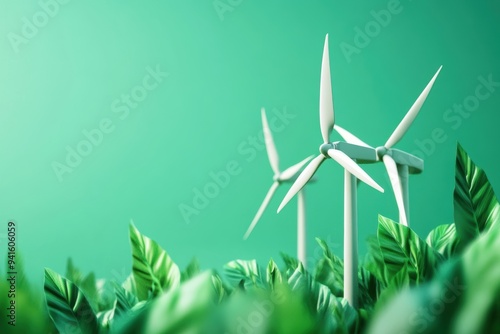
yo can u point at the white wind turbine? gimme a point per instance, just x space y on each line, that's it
343 153
398 163
288 175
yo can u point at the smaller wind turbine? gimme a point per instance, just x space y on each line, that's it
287 176
399 164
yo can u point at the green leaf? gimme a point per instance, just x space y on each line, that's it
125 301
374 261
330 270
476 207
68 307
443 239
72 273
273 274
192 269
186 310
153 270
291 263
247 271
402 247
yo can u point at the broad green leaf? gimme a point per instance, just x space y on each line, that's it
402 247
476 206
192 269
273 274
330 270
186 310
68 307
153 270
247 271
129 285
443 239
220 290
72 273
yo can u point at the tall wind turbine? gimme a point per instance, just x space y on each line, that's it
399 164
345 154
287 175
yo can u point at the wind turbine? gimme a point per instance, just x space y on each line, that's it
345 154
288 175
399 164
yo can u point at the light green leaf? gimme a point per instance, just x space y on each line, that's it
247 271
402 247
153 270
476 207
273 274
68 307
443 239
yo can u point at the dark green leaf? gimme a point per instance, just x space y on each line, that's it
402 247
476 207
248 271
68 307
330 270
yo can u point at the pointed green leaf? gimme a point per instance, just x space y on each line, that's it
191 270
242 270
374 261
68 307
476 206
443 239
402 247
330 270
153 270
273 274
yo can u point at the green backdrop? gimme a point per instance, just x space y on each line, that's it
175 89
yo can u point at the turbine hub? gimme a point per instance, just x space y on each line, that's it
381 151
277 178
323 149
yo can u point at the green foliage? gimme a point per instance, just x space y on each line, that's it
406 285
476 206
154 271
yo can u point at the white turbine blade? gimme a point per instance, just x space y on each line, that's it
411 114
352 167
262 207
349 137
291 171
326 115
301 181
392 170
270 147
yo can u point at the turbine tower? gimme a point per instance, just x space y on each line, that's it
279 178
400 164
346 154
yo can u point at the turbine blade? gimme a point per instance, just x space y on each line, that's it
262 207
411 114
270 147
301 181
392 170
291 171
352 167
326 114
349 137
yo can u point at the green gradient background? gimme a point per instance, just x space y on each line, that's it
221 73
